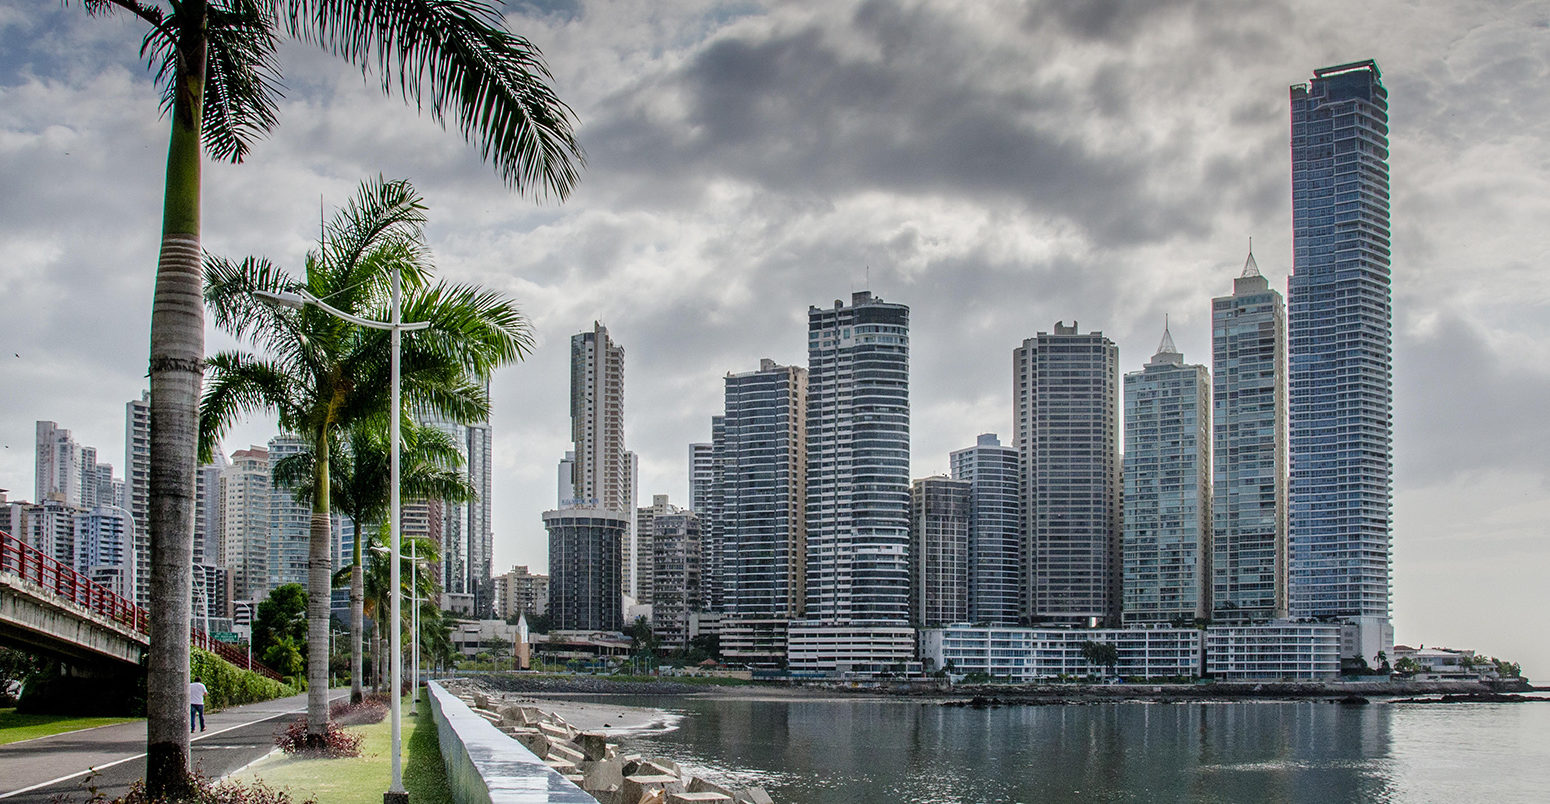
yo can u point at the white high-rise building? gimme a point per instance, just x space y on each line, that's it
604 474
102 550
58 468
290 520
1167 548
245 514
858 490
1066 389
137 486
1248 353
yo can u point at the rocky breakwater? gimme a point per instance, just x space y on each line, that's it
587 759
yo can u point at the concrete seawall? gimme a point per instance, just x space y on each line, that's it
484 766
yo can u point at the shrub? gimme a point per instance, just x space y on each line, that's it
230 685
207 791
336 742
371 709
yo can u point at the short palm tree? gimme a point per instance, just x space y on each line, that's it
215 61
320 374
359 471
377 583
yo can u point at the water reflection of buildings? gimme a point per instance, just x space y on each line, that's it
870 750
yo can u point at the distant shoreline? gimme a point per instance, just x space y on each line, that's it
1032 694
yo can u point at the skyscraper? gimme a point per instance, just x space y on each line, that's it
584 568
939 552
1167 546
995 529
597 421
1248 403
1065 388
137 488
760 460
57 471
676 588
858 488
1340 331
479 527
244 536
290 520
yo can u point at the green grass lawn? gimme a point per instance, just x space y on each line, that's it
15 728
363 779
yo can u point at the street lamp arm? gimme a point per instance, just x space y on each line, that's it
302 298
355 319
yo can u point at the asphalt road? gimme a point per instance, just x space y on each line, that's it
73 767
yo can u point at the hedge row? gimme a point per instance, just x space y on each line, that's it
230 685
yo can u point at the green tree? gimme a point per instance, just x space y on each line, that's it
216 63
1101 654
1407 666
322 375
282 615
359 472
16 666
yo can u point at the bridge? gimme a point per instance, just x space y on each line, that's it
48 607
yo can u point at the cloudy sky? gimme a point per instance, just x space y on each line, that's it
997 166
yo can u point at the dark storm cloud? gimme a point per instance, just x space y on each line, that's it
811 112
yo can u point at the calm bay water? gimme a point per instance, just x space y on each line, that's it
861 751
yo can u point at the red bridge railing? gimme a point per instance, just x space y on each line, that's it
30 564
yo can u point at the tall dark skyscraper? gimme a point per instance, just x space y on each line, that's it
1066 390
1340 332
761 443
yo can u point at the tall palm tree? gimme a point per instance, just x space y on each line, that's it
359 471
215 61
321 374
377 584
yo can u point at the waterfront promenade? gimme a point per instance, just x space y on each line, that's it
108 759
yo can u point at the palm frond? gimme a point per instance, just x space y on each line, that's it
229 294
294 473
238 384
385 216
242 78
456 57
472 326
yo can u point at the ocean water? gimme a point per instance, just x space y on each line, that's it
882 750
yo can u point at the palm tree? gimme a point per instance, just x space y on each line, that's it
215 61
377 582
323 374
359 471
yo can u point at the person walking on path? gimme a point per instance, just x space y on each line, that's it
196 704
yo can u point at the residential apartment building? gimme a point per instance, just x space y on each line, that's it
995 529
939 552
858 451
1065 389
1249 480
760 460
1167 548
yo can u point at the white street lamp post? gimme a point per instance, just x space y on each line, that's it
131 574
396 328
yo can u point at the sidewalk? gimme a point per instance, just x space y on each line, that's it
37 770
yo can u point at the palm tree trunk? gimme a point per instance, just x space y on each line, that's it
357 621
176 372
320 573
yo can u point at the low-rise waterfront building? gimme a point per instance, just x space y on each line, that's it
1029 655
848 649
1274 651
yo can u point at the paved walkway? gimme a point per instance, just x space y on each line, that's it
71 767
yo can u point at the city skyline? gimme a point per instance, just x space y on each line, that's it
714 271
